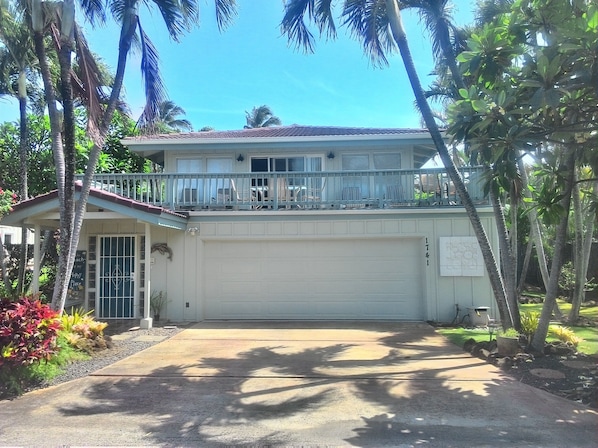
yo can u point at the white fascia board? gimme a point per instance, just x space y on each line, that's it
272 140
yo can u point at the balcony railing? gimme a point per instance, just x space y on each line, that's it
302 190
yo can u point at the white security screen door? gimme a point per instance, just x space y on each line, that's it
117 277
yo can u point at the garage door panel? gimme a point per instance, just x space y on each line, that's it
314 279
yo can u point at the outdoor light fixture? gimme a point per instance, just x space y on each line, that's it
330 155
192 230
240 158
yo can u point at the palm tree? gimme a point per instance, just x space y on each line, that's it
18 57
261 117
178 15
378 24
167 120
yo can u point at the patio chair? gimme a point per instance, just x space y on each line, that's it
227 197
311 195
394 196
351 197
278 189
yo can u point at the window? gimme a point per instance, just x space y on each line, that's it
390 161
188 187
355 185
354 162
284 165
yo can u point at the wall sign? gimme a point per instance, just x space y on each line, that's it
460 256
76 292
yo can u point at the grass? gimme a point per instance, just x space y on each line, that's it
589 345
40 372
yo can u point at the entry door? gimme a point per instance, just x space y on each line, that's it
117 277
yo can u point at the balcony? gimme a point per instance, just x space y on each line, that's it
294 190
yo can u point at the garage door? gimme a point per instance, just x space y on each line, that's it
314 279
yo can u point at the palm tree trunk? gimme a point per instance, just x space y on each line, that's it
507 257
525 266
568 169
57 148
127 32
536 235
583 247
394 16
66 235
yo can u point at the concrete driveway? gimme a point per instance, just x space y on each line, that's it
298 384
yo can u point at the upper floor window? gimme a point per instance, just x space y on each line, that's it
285 164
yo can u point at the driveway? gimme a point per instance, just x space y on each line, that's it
298 384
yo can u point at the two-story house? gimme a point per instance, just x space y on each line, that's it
290 222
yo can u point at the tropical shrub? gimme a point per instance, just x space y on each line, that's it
28 335
565 334
529 323
7 199
82 331
28 330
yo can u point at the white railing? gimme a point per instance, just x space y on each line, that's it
302 190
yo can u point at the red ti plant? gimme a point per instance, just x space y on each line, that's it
28 332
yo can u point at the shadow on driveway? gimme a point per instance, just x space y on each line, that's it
297 384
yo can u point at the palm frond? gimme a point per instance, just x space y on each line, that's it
175 21
155 91
260 117
117 9
293 24
226 11
89 85
368 22
94 11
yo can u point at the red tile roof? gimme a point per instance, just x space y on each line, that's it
282 131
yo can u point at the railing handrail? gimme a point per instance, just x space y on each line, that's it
302 189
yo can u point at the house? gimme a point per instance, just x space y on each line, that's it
290 222
12 235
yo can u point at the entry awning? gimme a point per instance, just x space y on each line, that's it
44 210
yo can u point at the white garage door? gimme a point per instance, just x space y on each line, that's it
314 279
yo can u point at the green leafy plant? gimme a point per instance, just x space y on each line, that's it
82 331
158 300
565 334
529 323
508 333
7 199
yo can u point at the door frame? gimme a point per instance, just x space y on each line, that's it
134 278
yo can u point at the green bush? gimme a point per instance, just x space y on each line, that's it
82 331
529 323
565 334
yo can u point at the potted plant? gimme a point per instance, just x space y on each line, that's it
507 342
157 302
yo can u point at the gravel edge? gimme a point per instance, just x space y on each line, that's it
120 348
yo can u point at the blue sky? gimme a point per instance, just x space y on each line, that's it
216 77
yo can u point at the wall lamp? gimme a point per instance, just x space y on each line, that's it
192 230
330 155
240 158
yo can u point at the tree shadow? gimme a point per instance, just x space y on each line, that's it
261 396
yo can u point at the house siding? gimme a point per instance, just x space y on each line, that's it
183 278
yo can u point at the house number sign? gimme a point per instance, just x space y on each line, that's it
427 252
